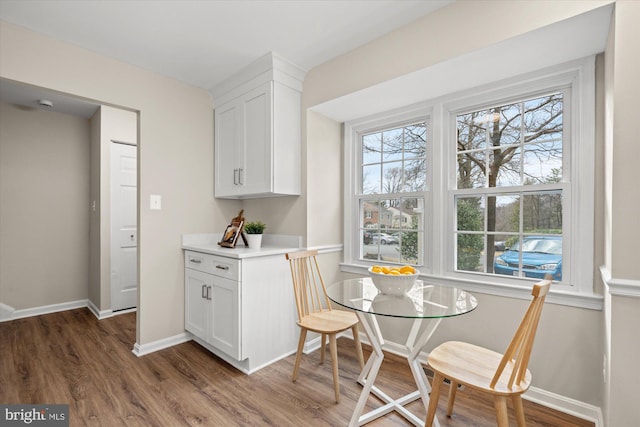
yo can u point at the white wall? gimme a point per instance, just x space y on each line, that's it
44 207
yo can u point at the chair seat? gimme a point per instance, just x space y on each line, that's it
475 367
329 321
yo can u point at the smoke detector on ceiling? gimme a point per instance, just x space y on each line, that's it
45 103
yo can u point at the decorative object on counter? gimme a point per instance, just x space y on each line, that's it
254 232
393 280
234 230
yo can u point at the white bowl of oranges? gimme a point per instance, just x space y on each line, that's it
393 280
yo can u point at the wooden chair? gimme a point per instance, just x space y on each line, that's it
315 313
502 376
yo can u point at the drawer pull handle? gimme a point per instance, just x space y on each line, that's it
195 261
203 291
209 293
222 267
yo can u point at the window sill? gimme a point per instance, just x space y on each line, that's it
560 297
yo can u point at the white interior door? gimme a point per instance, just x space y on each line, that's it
124 227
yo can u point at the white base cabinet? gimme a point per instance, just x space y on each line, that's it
242 310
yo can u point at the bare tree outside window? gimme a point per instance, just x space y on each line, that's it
510 148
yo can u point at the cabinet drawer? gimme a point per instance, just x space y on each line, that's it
218 266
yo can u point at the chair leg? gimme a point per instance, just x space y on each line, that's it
333 347
356 340
323 344
303 335
502 416
453 388
433 399
519 410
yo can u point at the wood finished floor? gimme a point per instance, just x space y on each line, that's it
72 358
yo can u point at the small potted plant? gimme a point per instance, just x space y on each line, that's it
254 230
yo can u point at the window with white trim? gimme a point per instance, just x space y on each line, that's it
391 191
509 187
493 186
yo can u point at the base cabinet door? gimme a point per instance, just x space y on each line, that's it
212 310
225 317
197 308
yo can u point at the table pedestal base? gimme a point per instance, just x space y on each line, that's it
414 344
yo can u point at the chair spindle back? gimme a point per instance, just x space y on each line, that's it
519 350
308 286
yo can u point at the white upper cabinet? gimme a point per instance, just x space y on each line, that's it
257 131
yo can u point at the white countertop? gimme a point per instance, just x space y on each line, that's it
272 244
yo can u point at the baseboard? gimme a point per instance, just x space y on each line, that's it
565 404
542 397
144 349
100 314
8 313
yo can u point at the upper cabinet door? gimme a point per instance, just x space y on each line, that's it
257 131
227 149
256 163
243 154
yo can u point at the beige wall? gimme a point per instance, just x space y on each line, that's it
44 200
175 158
625 149
622 150
622 407
325 210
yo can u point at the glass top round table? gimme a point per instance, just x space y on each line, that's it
425 300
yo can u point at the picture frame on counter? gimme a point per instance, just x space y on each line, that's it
233 231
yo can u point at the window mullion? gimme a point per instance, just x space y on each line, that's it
439 224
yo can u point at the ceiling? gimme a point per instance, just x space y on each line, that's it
204 42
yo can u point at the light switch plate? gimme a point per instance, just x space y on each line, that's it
155 202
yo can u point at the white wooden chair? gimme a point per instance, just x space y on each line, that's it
502 376
315 313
